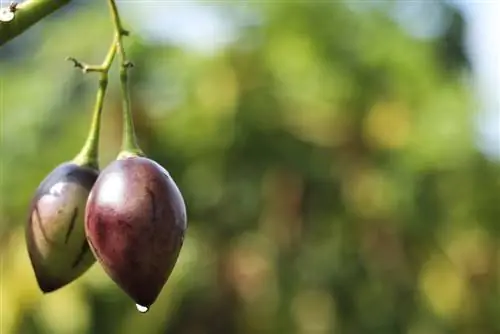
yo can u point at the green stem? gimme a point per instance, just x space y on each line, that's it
129 141
26 15
130 146
89 153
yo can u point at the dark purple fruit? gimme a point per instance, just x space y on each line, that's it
135 223
55 233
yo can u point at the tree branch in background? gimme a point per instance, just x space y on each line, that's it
26 15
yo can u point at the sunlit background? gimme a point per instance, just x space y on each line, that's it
339 161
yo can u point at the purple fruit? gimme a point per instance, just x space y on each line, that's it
55 233
135 222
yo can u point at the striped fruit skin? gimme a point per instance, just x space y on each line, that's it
135 223
55 232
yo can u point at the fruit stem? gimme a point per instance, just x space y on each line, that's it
88 155
130 147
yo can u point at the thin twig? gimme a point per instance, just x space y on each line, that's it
89 152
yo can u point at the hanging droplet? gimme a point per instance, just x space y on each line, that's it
142 309
6 15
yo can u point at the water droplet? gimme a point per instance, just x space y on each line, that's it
142 309
6 15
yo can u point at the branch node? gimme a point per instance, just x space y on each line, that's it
77 63
32 11
13 6
86 68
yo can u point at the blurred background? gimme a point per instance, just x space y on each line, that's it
339 161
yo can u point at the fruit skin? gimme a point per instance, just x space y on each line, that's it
135 223
55 232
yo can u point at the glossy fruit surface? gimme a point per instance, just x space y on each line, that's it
55 233
135 224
